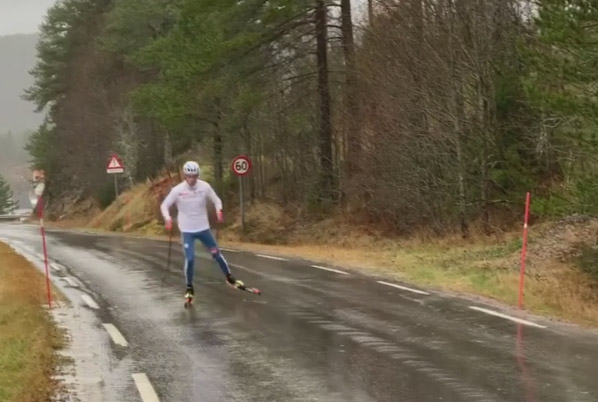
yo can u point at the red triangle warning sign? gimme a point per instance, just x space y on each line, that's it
115 165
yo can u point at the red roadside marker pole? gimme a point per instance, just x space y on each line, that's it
524 249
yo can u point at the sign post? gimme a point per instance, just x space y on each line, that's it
241 166
524 249
115 166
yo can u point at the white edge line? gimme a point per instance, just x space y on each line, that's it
271 257
508 317
71 281
330 269
421 292
244 268
228 250
115 334
145 388
90 302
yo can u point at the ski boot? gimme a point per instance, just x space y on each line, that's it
234 282
189 294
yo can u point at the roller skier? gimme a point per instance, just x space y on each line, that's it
190 198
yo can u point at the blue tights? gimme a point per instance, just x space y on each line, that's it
206 238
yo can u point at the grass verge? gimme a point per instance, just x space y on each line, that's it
28 335
554 285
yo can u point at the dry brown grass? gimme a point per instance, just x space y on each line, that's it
131 208
77 222
564 292
560 291
487 266
28 336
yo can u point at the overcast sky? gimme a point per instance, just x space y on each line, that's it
25 16
22 16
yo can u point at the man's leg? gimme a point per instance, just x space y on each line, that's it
210 243
189 250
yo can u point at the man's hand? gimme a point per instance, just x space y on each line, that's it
220 216
168 224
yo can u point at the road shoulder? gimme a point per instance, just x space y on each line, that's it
79 362
29 336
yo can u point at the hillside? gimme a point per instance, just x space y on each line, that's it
17 118
14 165
561 264
18 55
17 177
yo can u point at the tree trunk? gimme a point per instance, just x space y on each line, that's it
261 164
249 150
484 189
352 140
326 164
456 106
217 144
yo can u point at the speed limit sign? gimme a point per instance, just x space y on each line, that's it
241 165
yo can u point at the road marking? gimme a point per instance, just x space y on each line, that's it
71 281
247 269
56 267
145 388
421 292
272 257
115 334
18 242
90 302
228 250
330 269
508 317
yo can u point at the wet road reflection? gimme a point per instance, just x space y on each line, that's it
526 378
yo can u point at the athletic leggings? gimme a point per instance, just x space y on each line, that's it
206 238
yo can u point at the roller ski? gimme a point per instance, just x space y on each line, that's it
237 284
189 295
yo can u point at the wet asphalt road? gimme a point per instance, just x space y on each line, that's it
313 335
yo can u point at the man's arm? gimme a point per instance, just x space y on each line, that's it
216 201
166 204
214 198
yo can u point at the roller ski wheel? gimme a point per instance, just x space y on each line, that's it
188 299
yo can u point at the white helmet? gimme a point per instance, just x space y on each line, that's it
191 168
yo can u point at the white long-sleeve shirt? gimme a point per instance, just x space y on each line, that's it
191 203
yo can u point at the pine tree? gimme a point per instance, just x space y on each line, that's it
7 204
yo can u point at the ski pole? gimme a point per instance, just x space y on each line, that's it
168 260
169 249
